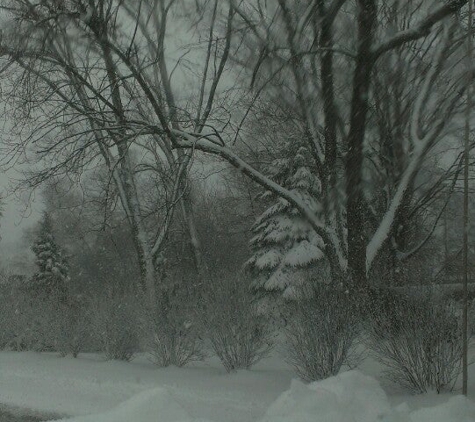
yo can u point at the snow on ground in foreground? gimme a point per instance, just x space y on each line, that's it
149 406
90 385
91 390
349 397
355 397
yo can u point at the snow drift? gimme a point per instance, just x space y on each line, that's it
154 405
348 397
355 397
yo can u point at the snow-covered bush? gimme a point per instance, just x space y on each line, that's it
239 336
321 333
169 332
115 327
418 339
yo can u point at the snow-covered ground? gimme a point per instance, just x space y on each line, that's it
90 385
89 389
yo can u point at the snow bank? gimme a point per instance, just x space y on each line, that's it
355 397
149 406
457 409
88 385
350 396
91 390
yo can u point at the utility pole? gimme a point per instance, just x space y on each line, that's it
465 202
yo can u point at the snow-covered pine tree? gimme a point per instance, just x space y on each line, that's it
51 279
285 247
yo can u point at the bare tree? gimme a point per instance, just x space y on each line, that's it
304 48
390 145
103 70
95 84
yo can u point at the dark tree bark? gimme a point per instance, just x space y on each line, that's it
357 241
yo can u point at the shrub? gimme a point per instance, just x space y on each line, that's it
115 327
8 318
48 324
321 333
40 322
30 326
239 336
18 318
72 327
169 334
418 339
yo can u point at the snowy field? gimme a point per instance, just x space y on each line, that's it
89 389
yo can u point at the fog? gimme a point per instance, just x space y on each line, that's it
21 211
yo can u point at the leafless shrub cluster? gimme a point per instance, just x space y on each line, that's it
20 322
170 334
418 339
13 324
72 327
115 327
42 323
239 336
321 333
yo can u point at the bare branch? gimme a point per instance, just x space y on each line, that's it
421 29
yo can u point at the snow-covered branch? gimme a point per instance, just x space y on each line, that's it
332 244
420 151
419 30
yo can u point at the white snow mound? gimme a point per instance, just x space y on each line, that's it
350 396
355 397
457 409
154 405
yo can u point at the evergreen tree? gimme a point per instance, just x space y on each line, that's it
285 248
52 277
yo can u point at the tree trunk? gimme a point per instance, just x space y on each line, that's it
193 236
354 161
149 278
330 118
